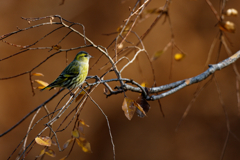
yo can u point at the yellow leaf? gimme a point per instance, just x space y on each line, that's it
157 54
56 47
79 96
84 144
83 123
126 29
37 74
75 133
45 84
41 153
128 107
44 141
66 144
178 56
144 84
40 87
50 152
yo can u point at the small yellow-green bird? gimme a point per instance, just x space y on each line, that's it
74 74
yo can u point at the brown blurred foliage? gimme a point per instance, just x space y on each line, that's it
201 134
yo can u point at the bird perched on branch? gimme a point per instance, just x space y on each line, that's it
74 74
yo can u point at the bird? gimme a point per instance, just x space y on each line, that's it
74 74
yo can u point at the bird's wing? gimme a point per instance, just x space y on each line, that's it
72 70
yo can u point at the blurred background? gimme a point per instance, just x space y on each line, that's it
202 133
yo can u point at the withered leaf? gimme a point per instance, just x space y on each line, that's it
56 47
144 105
37 74
79 96
84 144
41 82
66 144
83 123
42 152
128 107
50 152
75 133
44 141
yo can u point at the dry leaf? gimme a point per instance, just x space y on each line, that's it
75 133
126 29
44 141
83 123
66 144
157 55
56 47
37 74
140 109
41 153
50 152
128 107
144 105
44 84
79 96
40 87
84 144
80 128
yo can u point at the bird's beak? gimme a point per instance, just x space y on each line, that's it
91 56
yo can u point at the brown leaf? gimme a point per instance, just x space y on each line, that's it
83 123
66 144
84 144
128 107
41 153
50 152
37 74
140 109
157 55
56 47
44 141
144 105
81 130
75 133
79 96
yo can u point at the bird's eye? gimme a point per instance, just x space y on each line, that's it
85 55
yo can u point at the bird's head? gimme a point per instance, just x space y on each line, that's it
83 56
